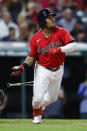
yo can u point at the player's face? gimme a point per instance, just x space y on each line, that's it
50 21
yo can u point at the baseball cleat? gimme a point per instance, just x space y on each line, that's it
37 120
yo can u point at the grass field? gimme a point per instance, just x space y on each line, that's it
48 125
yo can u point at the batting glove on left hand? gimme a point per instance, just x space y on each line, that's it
17 70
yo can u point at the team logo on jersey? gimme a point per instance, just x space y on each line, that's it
51 45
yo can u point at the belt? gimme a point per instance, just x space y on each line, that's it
54 69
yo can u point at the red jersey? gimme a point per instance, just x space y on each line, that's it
39 44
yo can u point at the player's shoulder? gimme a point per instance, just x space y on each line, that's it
58 28
35 36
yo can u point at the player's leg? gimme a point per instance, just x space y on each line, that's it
41 83
53 89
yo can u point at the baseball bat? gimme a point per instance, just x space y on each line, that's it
19 84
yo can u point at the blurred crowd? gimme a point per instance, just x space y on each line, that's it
18 18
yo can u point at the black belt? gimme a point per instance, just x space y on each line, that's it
54 69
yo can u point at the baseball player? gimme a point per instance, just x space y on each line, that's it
47 49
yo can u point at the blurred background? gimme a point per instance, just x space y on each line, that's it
17 25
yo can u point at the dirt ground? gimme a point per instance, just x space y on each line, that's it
48 123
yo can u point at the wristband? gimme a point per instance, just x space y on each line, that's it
25 66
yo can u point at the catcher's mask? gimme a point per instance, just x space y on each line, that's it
42 15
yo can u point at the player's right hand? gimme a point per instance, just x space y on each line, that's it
17 70
54 50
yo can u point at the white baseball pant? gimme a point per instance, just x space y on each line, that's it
46 85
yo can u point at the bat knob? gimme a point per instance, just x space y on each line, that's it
8 84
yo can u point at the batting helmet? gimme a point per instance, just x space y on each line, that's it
42 15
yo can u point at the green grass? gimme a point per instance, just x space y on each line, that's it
48 125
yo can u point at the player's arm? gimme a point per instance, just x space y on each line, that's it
69 43
17 70
29 60
69 47
66 49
